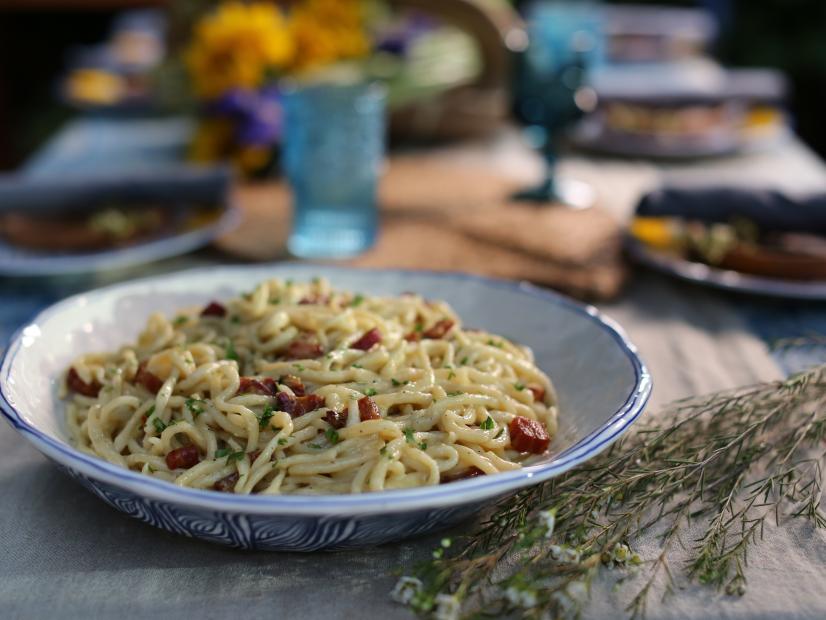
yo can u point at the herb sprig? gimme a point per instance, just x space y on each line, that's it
731 461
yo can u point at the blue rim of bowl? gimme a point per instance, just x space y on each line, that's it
122 258
461 492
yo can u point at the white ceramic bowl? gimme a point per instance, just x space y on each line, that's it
601 382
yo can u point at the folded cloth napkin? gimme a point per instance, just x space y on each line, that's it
169 185
769 210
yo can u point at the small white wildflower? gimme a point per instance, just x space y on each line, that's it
406 588
620 553
521 598
548 519
577 591
564 553
447 607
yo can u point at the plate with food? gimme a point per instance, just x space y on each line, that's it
753 242
57 226
302 407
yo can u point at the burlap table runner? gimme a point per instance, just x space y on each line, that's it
457 216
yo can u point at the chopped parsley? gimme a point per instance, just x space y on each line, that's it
194 406
158 424
332 435
282 441
179 320
487 424
356 365
357 300
221 453
235 319
150 411
385 453
370 392
231 353
419 327
408 436
499 434
299 367
519 386
464 361
451 375
316 446
423 445
397 383
457 393
235 456
264 420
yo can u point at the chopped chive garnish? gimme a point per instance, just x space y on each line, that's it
519 386
299 367
357 300
499 434
408 436
457 393
370 392
357 366
487 424
423 445
282 441
231 353
221 453
451 375
464 361
158 424
235 319
332 435
179 320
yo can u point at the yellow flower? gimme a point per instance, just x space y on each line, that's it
327 31
238 46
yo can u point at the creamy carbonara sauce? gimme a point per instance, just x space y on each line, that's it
299 388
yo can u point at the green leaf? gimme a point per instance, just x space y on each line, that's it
221 453
488 424
408 436
231 353
332 435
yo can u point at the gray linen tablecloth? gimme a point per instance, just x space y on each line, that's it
66 554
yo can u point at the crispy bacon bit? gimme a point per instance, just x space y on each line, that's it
538 393
213 308
147 379
265 386
470 472
314 299
76 384
304 348
183 458
298 405
368 409
528 435
294 383
336 419
367 340
227 484
439 330
309 403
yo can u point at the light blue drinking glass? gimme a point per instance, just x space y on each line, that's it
333 153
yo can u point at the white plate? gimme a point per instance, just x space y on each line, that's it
601 382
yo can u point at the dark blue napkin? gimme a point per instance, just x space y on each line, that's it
769 210
173 186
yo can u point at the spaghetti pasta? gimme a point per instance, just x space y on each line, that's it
299 388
